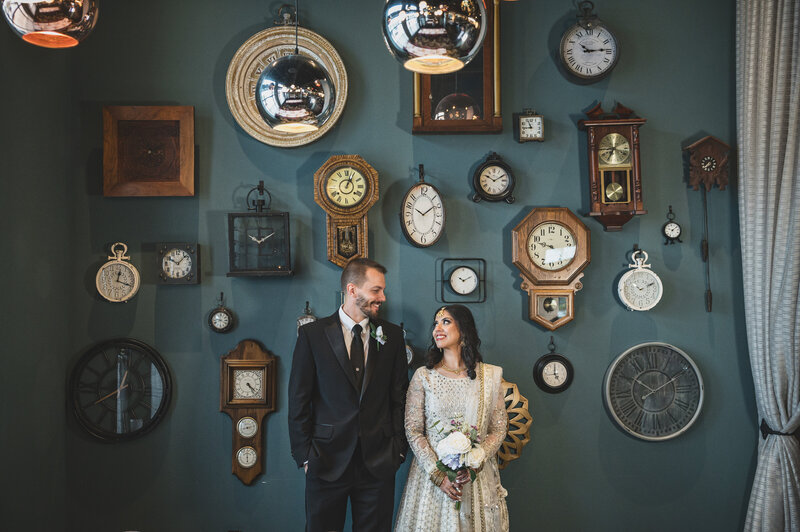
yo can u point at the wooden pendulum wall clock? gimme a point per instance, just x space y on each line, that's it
346 186
551 248
615 178
247 394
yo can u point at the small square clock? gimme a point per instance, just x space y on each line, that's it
259 244
178 263
529 126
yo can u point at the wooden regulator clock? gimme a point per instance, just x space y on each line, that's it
346 186
247 394
615 169
551 247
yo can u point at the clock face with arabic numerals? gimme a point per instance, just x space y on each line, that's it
654 391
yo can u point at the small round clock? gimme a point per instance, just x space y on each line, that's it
117 280
588 49
653 391
177 263
422 214
551 246
708 163
493 180
671 229
247 427
120 389
246 456
221 319
553 373
640 287
463 280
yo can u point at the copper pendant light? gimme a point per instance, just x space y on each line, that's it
294 93
435 36
51 23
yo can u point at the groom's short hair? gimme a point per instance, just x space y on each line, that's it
355 271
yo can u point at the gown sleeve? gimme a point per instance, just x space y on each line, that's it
415 423
498 419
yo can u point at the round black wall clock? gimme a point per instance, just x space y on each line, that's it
120 389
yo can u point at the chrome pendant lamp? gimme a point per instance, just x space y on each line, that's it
294 93
51 23
434 36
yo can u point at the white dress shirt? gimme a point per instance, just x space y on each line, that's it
347 331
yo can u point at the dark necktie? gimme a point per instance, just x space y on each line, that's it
357 355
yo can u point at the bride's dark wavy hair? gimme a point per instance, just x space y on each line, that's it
469 340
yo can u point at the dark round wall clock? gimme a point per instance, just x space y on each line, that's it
120 389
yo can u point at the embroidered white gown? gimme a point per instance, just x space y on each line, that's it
433 397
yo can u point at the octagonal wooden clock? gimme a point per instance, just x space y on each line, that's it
551 248
346 186
247 394
615 173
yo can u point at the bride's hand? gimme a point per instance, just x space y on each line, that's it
463 477
451 489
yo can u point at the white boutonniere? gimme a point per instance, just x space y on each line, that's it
377 333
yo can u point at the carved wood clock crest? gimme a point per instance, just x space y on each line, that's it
346 186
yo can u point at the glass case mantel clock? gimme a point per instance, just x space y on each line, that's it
589 50
551 248
346 186
178 263
258 240
467 101
247 392
493 180
640 288
529 126
252 58
553 372
653 391
120 389
117 280
422 213
615 168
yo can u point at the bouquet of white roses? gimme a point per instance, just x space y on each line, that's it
459 451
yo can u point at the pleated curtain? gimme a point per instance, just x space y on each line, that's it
768 151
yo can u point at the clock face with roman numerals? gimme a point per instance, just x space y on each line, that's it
654 391
589 53
120 389
346 186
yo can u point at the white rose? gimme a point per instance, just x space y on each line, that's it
454 443
475 457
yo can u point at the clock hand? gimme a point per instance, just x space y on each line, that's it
426 212
126 284
681 372
251 387
642 384
422 213
110 394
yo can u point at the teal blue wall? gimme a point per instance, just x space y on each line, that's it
578 472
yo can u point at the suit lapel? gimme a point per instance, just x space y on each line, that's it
372 359
335 337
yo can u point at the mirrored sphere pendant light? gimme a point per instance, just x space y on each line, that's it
51 23
434 36
295 93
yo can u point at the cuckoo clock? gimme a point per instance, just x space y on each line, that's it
551 248
247 394
346 186
615 178
708 163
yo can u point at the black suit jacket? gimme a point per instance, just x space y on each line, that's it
328 415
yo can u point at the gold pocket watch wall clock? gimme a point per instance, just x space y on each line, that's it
252 58
589 50
346 186
247 394
615 173
551 247
653 391
178 263
422 214
117 280
640 288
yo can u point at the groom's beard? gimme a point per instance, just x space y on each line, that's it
369 307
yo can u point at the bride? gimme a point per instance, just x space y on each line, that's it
454 385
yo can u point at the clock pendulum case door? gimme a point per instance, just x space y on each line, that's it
615 174
346 186
248 380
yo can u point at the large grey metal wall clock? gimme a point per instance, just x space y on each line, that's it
251 59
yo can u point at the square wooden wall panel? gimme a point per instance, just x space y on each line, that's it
148 150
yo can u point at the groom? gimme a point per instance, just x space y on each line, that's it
347 393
